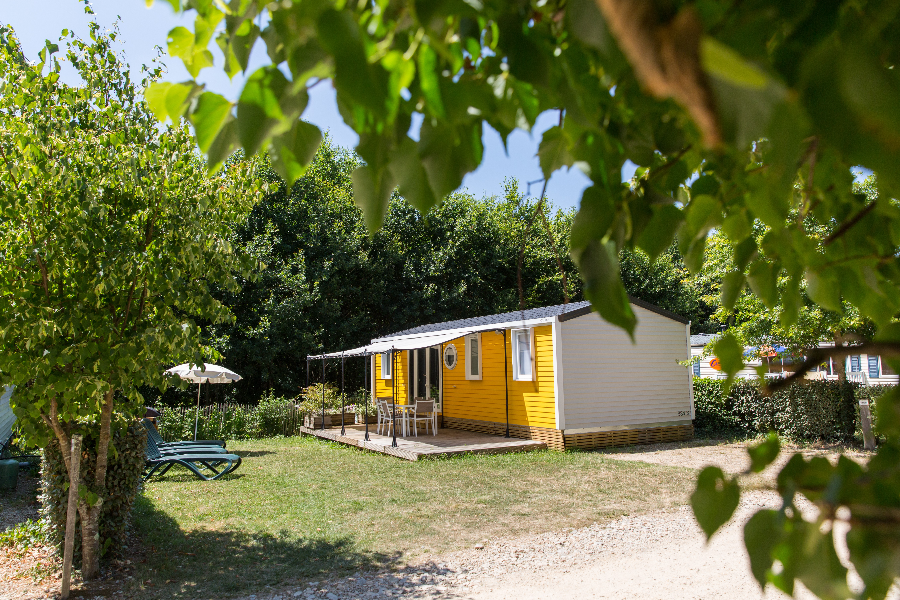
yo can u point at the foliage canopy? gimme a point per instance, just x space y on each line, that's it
739 114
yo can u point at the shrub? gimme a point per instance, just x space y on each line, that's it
816 410
123 477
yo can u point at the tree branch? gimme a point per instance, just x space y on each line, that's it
848 224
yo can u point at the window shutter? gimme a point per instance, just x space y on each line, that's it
873 367
855 364
697 369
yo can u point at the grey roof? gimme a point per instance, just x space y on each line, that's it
564 311
702 339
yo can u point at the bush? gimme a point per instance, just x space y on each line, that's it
123 478
816 410
273 416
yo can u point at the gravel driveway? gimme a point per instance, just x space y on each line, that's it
660 555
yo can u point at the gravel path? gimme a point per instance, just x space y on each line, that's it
660 555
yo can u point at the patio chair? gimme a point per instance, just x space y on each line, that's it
424 413
384 414
191 461
182 445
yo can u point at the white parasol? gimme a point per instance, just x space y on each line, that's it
211 374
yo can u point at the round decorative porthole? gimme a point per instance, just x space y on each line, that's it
450 356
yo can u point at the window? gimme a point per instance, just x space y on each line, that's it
473 356
697 369
523 365
386 365
855 364
450 357
873 367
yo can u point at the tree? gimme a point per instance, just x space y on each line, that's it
110 236
726 107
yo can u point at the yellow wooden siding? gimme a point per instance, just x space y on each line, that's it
383 386
531 403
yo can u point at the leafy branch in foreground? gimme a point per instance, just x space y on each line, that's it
739 115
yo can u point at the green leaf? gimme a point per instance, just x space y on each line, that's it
763 281
554 151
268 106
730 353
657 236
732 286
372 192
155 96
764 453
406 167
823 290
181 43
223 145
715 499
295 149
762 533
723 62
599 266
208 117
429 80
594 217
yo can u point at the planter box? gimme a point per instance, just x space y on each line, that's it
315 421
360 419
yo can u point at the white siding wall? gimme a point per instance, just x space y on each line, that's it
707 371
6 414
611 383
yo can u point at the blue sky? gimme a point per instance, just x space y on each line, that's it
142 29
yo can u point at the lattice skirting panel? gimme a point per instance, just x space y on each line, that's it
629 437
552 437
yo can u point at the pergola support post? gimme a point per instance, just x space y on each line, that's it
342 394
365 389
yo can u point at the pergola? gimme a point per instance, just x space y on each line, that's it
417 342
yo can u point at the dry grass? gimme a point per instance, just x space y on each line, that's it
299 507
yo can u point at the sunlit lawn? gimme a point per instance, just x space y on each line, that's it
299 507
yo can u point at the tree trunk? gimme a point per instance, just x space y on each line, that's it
90 540
90 515
840 369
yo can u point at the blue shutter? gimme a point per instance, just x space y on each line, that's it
697 369
873 367
855 366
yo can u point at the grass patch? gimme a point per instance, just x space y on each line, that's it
301 507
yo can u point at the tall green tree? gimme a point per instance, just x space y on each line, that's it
111 233
725 106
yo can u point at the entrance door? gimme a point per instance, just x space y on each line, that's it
425 374
421 374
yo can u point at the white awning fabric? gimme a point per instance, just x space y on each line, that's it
411 343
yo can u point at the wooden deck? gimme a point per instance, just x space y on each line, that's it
445 443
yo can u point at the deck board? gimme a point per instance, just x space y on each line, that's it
447 442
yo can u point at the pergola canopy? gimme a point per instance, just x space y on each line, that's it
409 343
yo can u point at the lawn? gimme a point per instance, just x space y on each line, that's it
300 507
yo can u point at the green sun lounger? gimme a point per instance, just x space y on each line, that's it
163 445
219 464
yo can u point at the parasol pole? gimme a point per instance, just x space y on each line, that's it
197 412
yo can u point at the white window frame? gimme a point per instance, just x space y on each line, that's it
386 365
477 339
517 374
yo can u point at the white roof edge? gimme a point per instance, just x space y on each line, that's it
465 330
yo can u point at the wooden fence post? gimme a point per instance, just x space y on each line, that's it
71 514
865 419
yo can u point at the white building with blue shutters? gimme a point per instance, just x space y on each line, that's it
866 368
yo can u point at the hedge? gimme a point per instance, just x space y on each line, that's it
123 478
815 410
